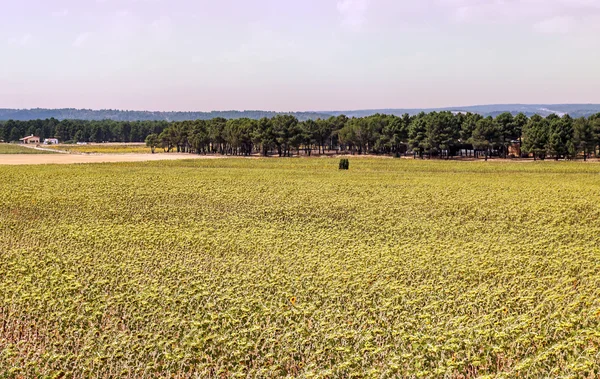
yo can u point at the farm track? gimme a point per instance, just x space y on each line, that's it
70 157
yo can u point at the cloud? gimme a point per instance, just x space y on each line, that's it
353 11
81 39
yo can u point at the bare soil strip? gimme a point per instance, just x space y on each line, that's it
72 158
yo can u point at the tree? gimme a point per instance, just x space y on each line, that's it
78 137
177 134
486 136
152 141
393 135
519 123
62 133
15 134
595 126
96 133
164 140
441 133
335 125
323 133
215 132
467 127
263 135
135 134
125 132
507 131
583 136
416 134
359 133
560 137
535 136
237 135
298 137
232 134
283 125
347 137
311 133
199 138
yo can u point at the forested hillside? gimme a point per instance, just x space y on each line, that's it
119 115
574 110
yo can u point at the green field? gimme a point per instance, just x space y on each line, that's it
6 148
290 267
106 149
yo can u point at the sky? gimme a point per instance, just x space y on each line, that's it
295 55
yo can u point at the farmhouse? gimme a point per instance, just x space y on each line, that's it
51 141
31 139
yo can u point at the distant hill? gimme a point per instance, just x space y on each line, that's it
575 110
118 115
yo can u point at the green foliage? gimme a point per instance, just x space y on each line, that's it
487 134
152 141
469 123
15 135
583 136
560 137
535 136
435 134
344 164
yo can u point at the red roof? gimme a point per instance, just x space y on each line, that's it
28 137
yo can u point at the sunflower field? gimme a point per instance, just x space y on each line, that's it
270 268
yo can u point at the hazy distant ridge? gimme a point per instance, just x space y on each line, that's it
575 110
119 115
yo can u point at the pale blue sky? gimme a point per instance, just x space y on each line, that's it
289 55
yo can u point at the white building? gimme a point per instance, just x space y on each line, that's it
51 141
30 139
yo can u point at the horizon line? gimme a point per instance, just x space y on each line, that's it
299 111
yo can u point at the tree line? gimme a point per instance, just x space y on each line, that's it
435 134
81 130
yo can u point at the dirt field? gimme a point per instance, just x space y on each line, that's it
29 159
71 158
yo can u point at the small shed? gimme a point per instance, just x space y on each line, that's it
51 141
30 140
515 148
